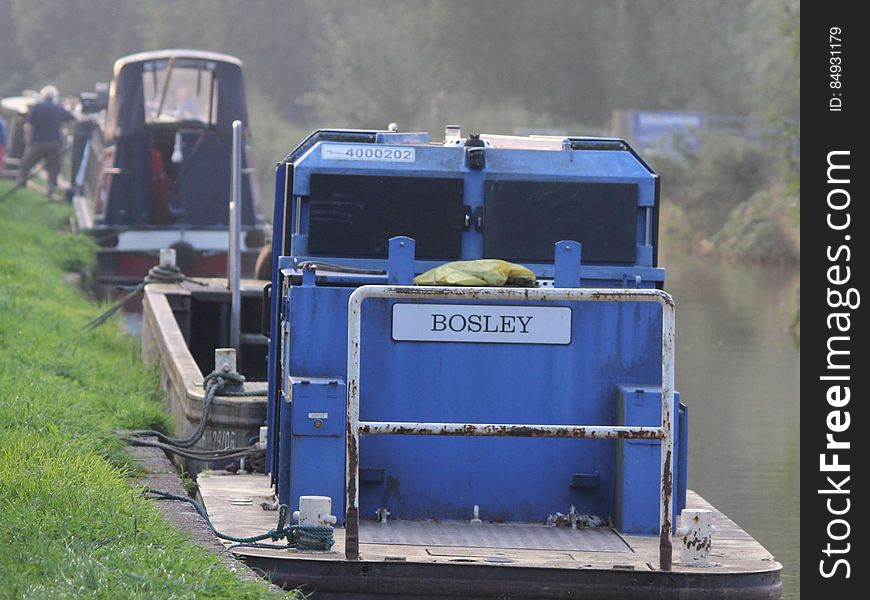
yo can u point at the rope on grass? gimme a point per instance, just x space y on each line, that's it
303 537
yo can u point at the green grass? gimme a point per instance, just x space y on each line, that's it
71 524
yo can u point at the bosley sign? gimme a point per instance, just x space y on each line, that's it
482 323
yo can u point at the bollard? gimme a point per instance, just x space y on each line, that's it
167 257
264 436
696 534
314 510
225 360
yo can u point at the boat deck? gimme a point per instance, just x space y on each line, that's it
414 559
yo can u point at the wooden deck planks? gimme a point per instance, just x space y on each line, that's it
734 549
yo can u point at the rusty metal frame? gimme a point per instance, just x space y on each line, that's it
355 427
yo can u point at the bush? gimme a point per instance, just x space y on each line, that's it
761 229
723 174
732 196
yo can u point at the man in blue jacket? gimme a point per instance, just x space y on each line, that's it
42 136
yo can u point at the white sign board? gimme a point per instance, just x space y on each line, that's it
482 323
367 152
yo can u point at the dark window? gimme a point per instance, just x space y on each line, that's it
524 219
356 215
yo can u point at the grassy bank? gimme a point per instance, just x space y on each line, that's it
71 525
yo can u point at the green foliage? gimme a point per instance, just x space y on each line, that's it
561 65
70 523
424 62
710 183
70 44
272 139
189 483
761 230
772 57
732 197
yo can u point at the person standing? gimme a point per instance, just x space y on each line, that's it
3 135
42 137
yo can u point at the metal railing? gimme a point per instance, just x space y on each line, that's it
355 427
234 246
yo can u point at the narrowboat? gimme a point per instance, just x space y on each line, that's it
14 109
152 171
499 439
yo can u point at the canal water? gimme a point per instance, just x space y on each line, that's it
737 369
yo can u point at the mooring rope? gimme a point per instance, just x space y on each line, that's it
216 383
303 537
156 274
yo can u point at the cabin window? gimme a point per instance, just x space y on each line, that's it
180 91
356 215
524 219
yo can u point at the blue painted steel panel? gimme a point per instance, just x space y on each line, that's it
681 464
638 461
603 166
313 420
495 383
516 479
317 407
509 478
274 354
597 275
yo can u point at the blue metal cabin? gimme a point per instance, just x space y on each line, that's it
375 208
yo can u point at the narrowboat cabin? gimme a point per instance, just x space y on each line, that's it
153 170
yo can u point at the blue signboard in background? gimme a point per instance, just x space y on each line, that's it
662 129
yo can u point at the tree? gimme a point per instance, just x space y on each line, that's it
72 44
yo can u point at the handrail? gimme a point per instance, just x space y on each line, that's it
355 427
234 244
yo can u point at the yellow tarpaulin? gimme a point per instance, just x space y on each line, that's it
488 271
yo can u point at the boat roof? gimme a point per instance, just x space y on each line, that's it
19 104
174 52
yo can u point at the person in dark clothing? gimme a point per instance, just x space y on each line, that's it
3 135
42 136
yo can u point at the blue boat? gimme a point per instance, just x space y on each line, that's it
520 437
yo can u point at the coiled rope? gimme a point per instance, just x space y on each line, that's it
303 537
216 383
156 274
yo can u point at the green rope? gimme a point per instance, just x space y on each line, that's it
250 452
303 537
156 274
216 383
